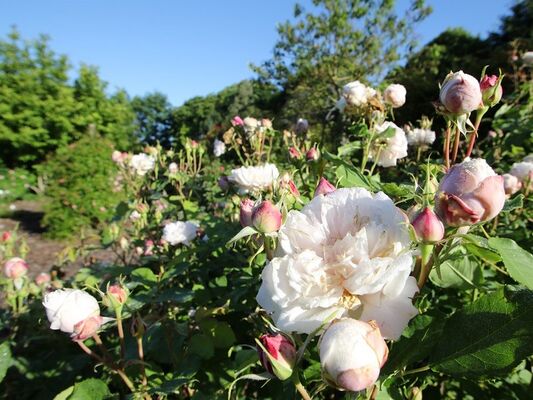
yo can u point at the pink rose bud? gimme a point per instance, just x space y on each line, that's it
460 93
15 268
266 123
118 293
511 184
352 353
428 226
491 90
394 95
469 193
312 154
293 189
194 144
148 247
277 355
237 121
43 278
116 156
302 126
294 153
266 217
324 187
245 213
6 236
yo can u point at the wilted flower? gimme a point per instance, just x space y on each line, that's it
266 217
395 95
15 268
511 184
324 187
343 254
460 93
277 355
388 149
142 163
470 192
527 58
245 212
73 311
254 178
179 232
302 126
351 354
219 148
420 137
357 94
428 227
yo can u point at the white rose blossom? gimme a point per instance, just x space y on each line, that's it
388 150
343 255
357 94
180 232
73 311
254 178
142 163
523 170
395 95
250 125
419 137
219 148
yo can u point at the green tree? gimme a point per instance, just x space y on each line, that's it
153 118
336 42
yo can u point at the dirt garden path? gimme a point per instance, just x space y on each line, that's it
43 252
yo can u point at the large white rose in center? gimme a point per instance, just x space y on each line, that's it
344 254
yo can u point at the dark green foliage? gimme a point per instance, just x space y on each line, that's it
154 123
80 186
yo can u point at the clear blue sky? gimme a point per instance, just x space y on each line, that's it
185 48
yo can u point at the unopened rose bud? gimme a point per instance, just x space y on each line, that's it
394 95
312 154
277 355
352 353
73 311
266 217
491 90
294 153
511 184
324 187
15 268
460 93
266 123
116 296
245 213
6 236
428 227
148 247
173 168
43 279
237 121
469 193
223 183
302 126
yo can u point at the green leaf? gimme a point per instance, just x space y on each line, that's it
518 262
64 394
458 272
488 337
5 359
349 177
202 345
171 386
223 336
90 389
514 203
244 232
145 275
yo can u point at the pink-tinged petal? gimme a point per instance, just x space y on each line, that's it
491 194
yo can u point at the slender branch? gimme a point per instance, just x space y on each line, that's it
456 144
417 370
447 147
140 350
120 330
474 134
299 387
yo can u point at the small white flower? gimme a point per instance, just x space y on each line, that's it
219 148
142 163
357 94
395 95
180 232
420 137
254 178
12 207
343 255
388 150
523 171
511 184
135 215
173 168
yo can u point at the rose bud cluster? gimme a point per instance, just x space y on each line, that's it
460 93
266 217
394 95
15 268
73 311
324 187
469 193
277 355
428 227
352 353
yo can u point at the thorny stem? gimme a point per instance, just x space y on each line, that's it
299 387
474 134
426 264
456 143
120 330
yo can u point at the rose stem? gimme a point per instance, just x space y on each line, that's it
456 144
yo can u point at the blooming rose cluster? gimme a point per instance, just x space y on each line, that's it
343 255
180 232
142 163
388 149
256 178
